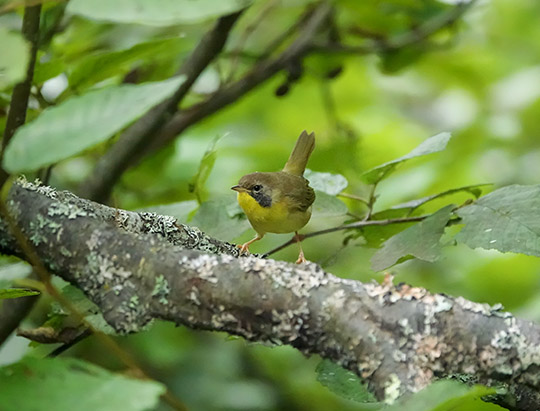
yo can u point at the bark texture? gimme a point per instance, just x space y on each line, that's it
141 266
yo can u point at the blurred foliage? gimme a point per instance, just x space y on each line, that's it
477 78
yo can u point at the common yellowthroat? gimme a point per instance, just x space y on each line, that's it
279 202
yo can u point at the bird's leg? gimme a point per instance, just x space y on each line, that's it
244 248
299 238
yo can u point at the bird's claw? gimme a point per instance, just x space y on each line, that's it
244 249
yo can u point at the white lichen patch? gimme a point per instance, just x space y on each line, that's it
467 305
392 389
406 329
66 210
203 264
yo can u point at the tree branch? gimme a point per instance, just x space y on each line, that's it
139 267
128 150
155 130
135 139
21 92
13 312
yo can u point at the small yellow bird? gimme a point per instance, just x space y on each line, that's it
279 202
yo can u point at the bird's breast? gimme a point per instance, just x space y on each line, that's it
274 219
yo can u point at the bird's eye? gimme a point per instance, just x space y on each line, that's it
257 187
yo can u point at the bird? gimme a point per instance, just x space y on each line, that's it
279 202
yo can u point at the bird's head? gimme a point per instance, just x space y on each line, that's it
260 186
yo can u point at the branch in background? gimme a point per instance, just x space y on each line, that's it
21 92
259 74
133 142
417 35
126 153
12 312
123 154
397 338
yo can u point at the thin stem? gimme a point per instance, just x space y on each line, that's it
358 224
354 197
21 92
64 347
371 201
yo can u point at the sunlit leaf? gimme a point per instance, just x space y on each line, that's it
15 54
332 184
326 205
48 70
506 220
431 145
65 384
155 12
82 122
342 382
421 241
16 293
446 395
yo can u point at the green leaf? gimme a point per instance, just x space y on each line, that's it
65 384
221 219
15 54
100 66
48 70
181 210
82 122
86 308
206 165
446 395
155 12
421 241
326 205
431 145
342 382
328 183
396 60
505 220
16 293
475 190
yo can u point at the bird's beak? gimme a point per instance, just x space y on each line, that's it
240 189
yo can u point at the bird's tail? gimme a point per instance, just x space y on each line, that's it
296 164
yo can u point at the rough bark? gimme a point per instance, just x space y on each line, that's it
139 267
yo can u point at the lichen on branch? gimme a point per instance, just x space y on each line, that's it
142 266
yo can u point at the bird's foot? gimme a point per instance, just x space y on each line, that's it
244 249
301 259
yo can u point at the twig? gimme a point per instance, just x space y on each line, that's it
358 224
371 200
64 347
134 141
21 92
